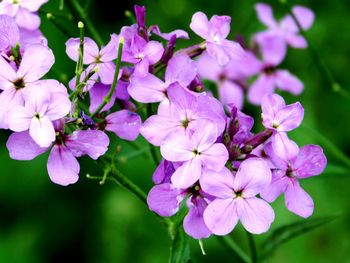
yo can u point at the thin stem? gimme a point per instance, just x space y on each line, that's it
232 246
252 246
321 65
74 4
118 62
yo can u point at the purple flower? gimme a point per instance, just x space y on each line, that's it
236 198
184 112
215 32
286 28
41 107
24 12
310 161
94 57
273 51
195 151
164 199
143 54
62 165
281 118
149 88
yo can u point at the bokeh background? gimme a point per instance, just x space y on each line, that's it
87 222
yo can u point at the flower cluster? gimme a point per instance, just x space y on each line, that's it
211 159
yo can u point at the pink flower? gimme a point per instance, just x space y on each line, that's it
236 198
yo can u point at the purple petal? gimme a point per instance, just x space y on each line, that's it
277 186
296 41
290 117
87 142
153 51
177 148
106 72
310 161
252 177
231 94
164 199
304 15
276 160
110 51
91 50
265 14
148 89
219 184
163 172
33 6
187 174
273 49
205 71
22 147
288 82
27 19
9 32
283 147
124 123
298 201
255 214
220 216
36 62
265 84
62 166
200 24
215 157
42 131
97 94
180 69
19 119
193 223
271 104
221 25
167 36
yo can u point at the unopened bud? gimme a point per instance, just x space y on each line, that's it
80 24
121 40
49 15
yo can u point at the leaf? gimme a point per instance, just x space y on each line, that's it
180 249
287 232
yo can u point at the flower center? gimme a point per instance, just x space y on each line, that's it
196 152
19 83
239 193
37 115
185 123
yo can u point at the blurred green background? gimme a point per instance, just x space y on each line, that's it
87 222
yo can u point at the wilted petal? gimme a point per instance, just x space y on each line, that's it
298 201
87 142
252 177
124 123
164 199
221 216
310 161
62 166
22 147
255 214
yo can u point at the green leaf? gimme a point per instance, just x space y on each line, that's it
180 249
287 232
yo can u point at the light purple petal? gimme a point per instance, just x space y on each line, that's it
187 174
215 157
265 84
310 161
180 69
19 119
219 184
106 72
304 15
62 166
27 19
193 223
298 201
164 199
255 214
163 172
42 131
32 5
91 51
283 147
97 94
231 94
276 160
288 82
167 36
220 25
273 49
177 147
200 24
87 142
220 216
9 32
296 41
7 74
208 67
36 62
148 89
252 177
265 14
290 117
153 51
277 186
22 147
124 123
110 51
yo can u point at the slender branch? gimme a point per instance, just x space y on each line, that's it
321 65
229 243
79 65
74 4
118 62
252 246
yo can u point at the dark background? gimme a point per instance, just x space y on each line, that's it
86 222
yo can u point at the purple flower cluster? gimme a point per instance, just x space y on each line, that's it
211 159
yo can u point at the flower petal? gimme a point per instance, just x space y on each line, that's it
215 157
265 84
298 201
200 24
187 174
265 14
148 89
288 82
42 131
219 184
180 69
310 161
124 123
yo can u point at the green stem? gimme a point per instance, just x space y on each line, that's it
74 4
321 65
232 245
115 80
252 246
52 19
79 65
